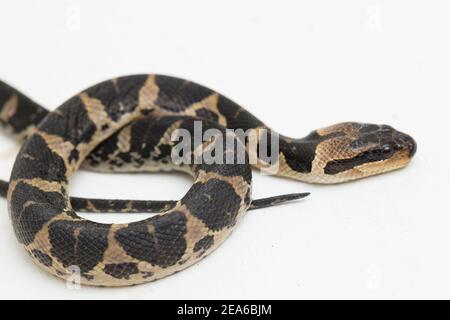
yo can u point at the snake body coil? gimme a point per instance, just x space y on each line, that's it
125 125
19 116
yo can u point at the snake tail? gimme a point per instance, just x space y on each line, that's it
153 206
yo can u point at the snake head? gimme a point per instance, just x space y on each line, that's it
350 151
360 150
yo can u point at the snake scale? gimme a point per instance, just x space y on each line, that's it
125 124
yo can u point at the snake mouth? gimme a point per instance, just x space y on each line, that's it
395 153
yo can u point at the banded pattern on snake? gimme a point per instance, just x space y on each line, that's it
20 115
142 111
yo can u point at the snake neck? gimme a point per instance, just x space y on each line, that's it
289 154
298 154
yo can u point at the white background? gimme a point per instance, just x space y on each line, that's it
297 65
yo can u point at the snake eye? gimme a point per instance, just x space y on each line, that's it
387 150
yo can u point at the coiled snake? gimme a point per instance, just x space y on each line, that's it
126 124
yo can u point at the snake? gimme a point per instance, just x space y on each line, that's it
20 115
126 124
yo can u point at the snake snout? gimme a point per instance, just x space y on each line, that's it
412 146
408 142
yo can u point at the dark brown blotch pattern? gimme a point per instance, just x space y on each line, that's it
214 202
31 209
37 160
78 243
159 241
